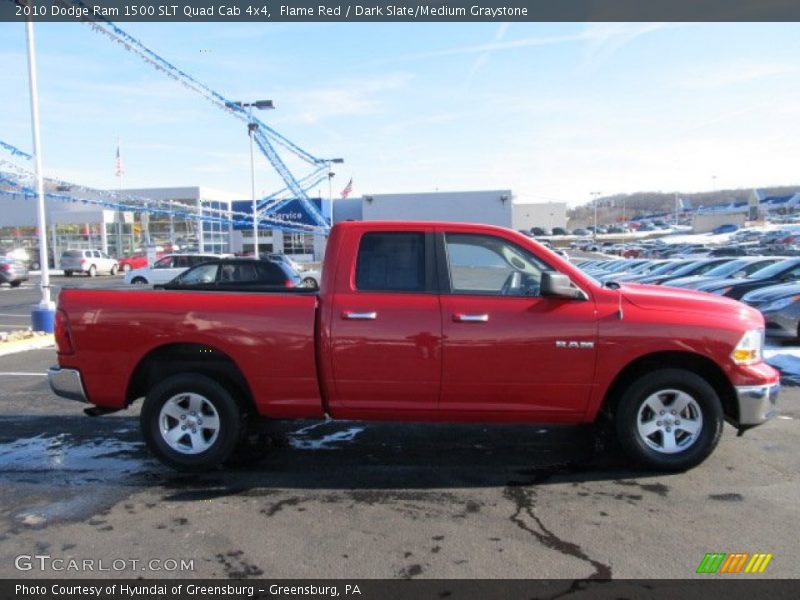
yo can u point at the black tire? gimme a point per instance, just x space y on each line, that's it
113 270
139 281
671 446
92 271
16 283
67 273
309 282
219 447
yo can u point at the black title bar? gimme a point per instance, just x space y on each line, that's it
400 10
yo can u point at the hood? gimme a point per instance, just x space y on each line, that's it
654 297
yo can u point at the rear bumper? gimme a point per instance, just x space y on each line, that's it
757 403
67 383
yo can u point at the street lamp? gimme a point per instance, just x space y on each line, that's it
42 317
329 162
595 195
252 127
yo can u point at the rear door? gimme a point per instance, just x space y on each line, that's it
386 330
508 353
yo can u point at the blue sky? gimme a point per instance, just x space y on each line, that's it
551 111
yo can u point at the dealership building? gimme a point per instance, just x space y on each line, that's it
226 225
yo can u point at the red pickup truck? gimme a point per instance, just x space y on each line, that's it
421 322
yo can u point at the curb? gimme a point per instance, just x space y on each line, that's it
36 343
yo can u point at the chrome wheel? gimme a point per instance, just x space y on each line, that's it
669 421
189 423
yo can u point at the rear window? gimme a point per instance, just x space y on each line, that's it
391 261
73 254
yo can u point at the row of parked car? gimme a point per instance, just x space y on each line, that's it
769 283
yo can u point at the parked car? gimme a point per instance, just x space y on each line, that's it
396 334
540 231
167 268
785 271
560 231
13 272
137 260
310 278
741 267
726 228
782 318
91 262
231 274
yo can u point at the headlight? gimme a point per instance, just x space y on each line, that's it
750 348
779 304
722 291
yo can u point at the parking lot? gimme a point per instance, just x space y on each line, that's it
376 500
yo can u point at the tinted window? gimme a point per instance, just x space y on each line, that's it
391 262
484 264
164 263
72 254
201 274
270 274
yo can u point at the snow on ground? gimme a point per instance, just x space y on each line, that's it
786 359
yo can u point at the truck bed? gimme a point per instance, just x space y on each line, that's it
269 336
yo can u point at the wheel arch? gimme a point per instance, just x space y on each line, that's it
695 363
172 359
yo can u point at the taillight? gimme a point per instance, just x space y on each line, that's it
83 261
288 283
5 267
62 334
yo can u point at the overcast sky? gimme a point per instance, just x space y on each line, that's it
551 111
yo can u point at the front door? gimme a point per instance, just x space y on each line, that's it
507 351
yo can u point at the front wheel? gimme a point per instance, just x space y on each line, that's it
139 281
670 420
191 422
67 273
113 270
92 271
309 282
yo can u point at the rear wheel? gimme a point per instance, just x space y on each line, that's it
67 273
139 281
309 282
16 283
191 422
669 420
114 270
92 271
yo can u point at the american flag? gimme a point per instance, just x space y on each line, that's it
347 189
118 170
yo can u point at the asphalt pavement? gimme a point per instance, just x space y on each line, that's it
360 500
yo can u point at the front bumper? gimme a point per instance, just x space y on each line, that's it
67 383
757 403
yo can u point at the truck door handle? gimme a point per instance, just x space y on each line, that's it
359 316
462 318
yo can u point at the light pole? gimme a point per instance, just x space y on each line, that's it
42 317
332 161
252 127
595 195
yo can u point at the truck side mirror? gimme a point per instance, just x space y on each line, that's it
559 285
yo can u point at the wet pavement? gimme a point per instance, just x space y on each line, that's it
377 500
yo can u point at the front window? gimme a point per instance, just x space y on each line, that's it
198 275
483 264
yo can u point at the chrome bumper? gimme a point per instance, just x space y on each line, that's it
757 403
66 383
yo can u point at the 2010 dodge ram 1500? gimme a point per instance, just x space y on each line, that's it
421 322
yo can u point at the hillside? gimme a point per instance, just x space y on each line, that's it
610 208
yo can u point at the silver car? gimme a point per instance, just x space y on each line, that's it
90 262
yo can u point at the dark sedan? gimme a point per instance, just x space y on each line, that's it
741 267
780 305
784 271
694 267
236 274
